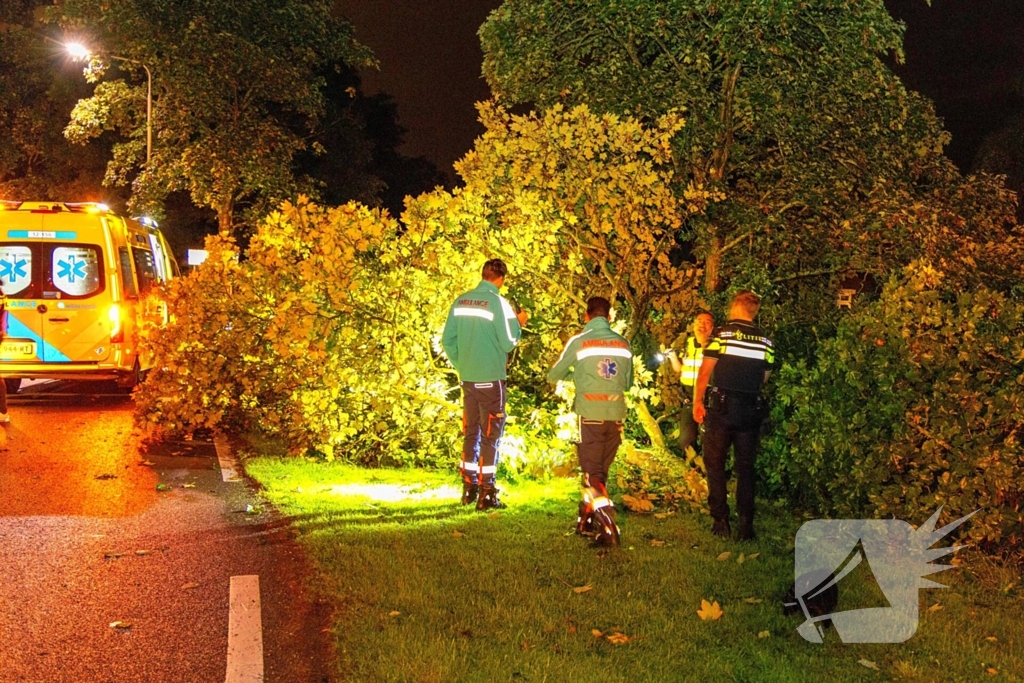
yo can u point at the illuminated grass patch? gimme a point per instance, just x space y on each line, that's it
430 591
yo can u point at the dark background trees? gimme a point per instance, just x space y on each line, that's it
250 107
38 89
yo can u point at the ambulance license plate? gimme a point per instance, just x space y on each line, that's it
17 350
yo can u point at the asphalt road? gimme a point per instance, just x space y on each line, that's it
93 531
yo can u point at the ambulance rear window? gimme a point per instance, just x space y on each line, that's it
76 270
16 270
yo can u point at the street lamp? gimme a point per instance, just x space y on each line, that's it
81 53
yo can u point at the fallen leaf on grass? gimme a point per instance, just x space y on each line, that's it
753 556
710 611
741 559
992 671
188 486
935 608
618 638
142 552
992 639
393 613
753 601
582 589
724 556
868 663
663 515
189 586
657 543
120 624
597 634
458 534
637 504
763 634
163 487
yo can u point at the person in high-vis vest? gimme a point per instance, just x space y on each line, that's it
688 366
737 362
481 329
601 365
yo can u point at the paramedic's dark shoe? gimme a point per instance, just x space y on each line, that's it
746 530
721 528
469 493
488 499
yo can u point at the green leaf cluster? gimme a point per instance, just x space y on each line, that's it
917 403
237 92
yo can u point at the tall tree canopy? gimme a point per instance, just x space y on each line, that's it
37 91
238 92
828 165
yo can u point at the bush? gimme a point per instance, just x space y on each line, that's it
915 404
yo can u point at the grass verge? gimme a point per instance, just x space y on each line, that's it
428 591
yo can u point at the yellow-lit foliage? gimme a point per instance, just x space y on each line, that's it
327 330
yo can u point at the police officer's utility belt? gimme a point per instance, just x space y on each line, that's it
717 399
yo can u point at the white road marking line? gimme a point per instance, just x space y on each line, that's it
245 631
228 464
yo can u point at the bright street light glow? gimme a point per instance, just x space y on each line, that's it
77 50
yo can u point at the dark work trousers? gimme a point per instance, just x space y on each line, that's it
687 425
599 441
483 421
732 419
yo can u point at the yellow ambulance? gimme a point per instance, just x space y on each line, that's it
77 279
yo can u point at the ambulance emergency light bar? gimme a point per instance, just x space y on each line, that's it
55 207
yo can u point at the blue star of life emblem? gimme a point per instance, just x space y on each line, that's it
71 269
11 270
608 368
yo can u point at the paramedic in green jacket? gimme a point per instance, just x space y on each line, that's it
481 330
601 365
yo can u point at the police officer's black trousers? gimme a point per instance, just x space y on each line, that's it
732 420
483 422
599 442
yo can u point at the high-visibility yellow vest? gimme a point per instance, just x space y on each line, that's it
693 356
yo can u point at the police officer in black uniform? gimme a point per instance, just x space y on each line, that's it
737 362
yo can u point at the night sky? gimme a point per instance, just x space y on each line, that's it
966 55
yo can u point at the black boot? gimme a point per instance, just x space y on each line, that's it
488 499
469 492
746 530
721 528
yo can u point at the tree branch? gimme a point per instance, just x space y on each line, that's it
809 273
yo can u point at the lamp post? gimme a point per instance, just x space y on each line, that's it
80 52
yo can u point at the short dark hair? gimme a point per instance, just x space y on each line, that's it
707 313
748 301
494 269
598 307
